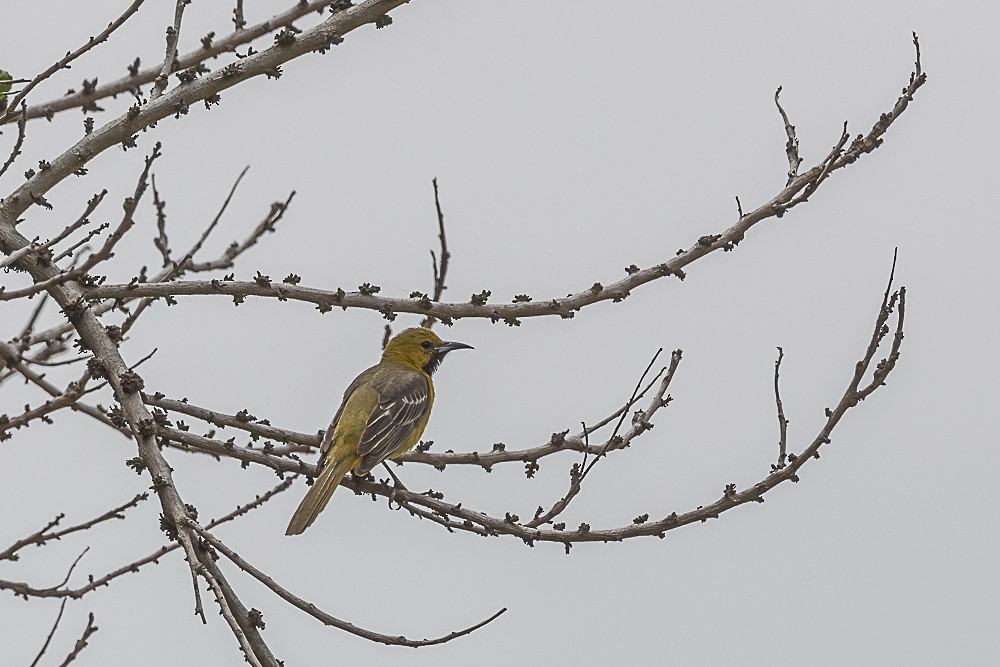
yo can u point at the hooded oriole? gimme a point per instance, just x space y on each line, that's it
382 416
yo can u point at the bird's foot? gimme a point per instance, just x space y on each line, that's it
397 486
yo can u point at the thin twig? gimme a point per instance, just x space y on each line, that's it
106 250
173 269
72 567
42 536
440 271
267 224
92 205
22 122
29 326
792 145
215 221
69 397
154 557
782 422
82 642
52 632
640 423
63 62
239 20
160 241
170 58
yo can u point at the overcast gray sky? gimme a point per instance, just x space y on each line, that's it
570 139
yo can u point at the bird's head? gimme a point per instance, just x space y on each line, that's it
419 348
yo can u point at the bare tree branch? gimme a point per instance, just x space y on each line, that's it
170 59
70 397
22 123
82 642
274 456
440 271
106 250
93 583
126 385
224 261
792 146
211 48
84 301
431 505
42 536
37 248
52 632
326 618
122 129
244 421
63 62
160 241
782 422
796 192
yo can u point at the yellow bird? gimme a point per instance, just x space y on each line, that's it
382 416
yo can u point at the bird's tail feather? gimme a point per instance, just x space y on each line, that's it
318 496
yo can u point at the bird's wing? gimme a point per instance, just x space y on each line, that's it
327 443
400 408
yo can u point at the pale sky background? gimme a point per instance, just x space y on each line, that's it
570 139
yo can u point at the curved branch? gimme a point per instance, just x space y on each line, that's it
52 632
798 190
327 619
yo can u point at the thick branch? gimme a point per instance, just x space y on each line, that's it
122 129
211 48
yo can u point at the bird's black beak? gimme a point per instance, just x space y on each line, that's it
447 346
439 352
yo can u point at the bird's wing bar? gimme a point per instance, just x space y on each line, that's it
398 412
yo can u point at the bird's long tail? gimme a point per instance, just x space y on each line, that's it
318 496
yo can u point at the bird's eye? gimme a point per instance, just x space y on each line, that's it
426 345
